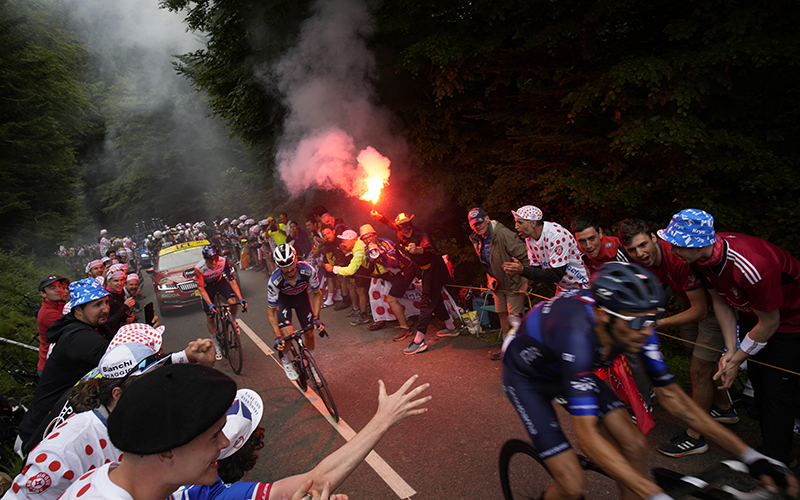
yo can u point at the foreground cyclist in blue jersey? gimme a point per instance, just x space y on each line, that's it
293 285
559 344
214 275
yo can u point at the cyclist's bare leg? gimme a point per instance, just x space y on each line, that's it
210 325
569 478
619 430
309 340
234 306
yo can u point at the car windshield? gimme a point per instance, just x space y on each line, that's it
183 258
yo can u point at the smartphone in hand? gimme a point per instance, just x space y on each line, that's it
149 313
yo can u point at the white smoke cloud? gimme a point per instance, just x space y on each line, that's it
326 83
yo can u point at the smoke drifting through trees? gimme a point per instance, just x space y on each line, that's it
326 83
160 154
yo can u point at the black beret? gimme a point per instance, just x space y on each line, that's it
168 407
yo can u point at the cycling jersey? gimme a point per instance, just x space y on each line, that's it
278 285
241 490
222 267
553 353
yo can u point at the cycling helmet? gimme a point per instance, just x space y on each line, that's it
158 235
623 286
210 251
284 255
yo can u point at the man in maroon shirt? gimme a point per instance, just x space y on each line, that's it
597 248
762 282
55 294
696 326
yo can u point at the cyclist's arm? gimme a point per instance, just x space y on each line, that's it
609 458
235 286
699 310
316 302
672 398
392 409
201 285
272 314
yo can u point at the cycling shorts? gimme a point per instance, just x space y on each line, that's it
221 287
532 398
302 306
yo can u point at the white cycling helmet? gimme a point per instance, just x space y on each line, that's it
158 235
284 255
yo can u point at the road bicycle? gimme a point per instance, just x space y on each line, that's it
524 476
228 333
307 369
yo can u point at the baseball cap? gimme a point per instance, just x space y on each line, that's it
49 280
690 228
244 415
477 214
348 235
528 212
85 290
121 359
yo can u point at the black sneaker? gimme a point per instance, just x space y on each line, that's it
342 305
728 416
361 319
682 445
352 313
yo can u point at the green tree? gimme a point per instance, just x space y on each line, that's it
620 108
44 113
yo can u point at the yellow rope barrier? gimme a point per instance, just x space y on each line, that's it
530 294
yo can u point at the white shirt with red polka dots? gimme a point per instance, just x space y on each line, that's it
78 445
556 247
96 485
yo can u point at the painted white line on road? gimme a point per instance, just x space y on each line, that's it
379 465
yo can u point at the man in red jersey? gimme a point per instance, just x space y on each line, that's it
696 326
762 282
597 248
53 290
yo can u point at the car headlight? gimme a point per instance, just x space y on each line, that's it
167 286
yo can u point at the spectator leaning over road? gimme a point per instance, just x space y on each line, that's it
384 260
762 282
61 458
119 308
299 239
335 256
497 245
552 252
696 326
419 248
596 247
55 294
94 269
354 272
80 339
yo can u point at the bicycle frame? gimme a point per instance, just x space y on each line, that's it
307 369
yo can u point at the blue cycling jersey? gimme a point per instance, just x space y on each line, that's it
306 279
242 490
561 344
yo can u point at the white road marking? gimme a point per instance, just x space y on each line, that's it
379 465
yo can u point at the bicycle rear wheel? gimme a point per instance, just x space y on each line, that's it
523 475
234 346
319 384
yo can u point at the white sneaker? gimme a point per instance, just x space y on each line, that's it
328 302
291 373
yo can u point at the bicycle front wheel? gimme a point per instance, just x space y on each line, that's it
234 346
319 384
523 475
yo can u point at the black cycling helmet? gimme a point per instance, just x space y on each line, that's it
284 255
210 251
623 286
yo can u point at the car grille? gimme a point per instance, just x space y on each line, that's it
187 286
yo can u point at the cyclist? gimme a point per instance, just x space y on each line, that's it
214 276
553 353
293 285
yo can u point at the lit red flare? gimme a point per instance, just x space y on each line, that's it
376 170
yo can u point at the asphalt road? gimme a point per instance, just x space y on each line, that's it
449 452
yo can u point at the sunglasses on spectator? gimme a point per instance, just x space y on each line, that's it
638 322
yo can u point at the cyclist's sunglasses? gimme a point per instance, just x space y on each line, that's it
638 322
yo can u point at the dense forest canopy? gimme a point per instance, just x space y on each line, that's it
611 107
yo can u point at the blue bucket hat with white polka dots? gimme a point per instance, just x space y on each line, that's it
690 228
85 290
